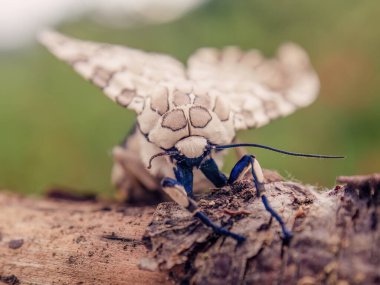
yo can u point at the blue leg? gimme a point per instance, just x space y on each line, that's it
211 171
184 175
287 234
249 162
177 192
219 230
240 168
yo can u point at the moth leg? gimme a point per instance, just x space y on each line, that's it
184 176
249 162
212 172
177 192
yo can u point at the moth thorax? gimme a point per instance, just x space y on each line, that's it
192 147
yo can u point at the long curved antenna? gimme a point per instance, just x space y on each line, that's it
274 149
160 154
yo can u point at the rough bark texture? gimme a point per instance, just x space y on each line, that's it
336 238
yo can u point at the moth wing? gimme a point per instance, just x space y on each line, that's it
257 89
124 74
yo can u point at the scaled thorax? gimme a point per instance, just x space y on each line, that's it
185 119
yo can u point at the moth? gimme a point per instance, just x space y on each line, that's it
188 116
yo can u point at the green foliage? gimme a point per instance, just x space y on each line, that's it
57 129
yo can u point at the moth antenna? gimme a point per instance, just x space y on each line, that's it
275 150
160 154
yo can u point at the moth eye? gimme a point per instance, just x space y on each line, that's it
181 98
174 120
199 117
159 100
221 109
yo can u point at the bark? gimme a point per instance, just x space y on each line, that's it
336 238
67 242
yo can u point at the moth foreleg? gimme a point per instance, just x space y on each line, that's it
212 172
184 176
177 192
250 163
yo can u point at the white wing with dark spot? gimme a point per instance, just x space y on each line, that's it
258 89
125 75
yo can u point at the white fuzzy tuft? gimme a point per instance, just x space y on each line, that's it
192 147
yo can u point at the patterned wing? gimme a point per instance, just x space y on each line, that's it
125 75
257 89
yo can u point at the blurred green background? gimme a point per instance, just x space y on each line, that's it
58 130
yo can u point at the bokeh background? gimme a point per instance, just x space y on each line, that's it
56 129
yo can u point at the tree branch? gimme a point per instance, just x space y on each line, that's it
336 238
